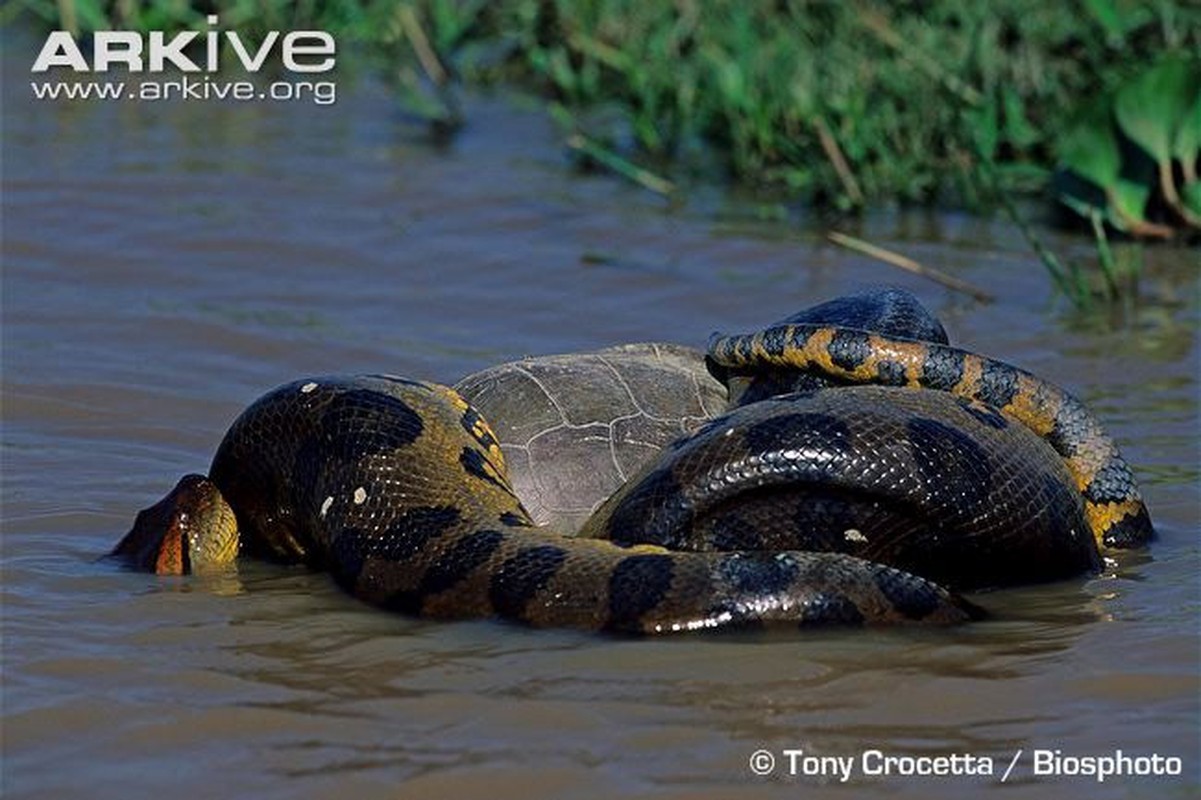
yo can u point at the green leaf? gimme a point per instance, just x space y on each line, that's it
732 83
1128 201
1106 14
1090 149
985 131
1018 130
1191 195
91 15
562 116
1150 107
1090 178
561 73
1186 146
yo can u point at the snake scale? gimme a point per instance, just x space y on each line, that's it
867 472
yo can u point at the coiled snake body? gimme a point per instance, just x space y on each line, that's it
833 502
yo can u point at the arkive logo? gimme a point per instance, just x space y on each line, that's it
304 52
191 65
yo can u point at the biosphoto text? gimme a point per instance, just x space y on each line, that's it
189 65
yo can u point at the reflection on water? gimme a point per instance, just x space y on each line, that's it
163 266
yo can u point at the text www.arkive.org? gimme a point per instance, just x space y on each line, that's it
188 89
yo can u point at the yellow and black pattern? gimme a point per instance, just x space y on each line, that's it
923 481
843 504
1116 512
393 510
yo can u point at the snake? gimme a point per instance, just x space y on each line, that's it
866 472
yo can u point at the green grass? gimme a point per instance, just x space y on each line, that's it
838 105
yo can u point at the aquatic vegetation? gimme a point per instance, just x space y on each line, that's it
1132 158
843 104
838 105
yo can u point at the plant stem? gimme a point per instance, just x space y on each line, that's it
644 178
909 265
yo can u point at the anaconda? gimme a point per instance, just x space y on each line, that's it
827 504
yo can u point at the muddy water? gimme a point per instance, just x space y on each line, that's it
163 265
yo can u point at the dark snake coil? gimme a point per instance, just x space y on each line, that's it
833 503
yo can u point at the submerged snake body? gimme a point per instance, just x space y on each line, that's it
847 505
399 489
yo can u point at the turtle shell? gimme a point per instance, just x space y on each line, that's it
574 427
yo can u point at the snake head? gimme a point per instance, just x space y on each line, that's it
191 530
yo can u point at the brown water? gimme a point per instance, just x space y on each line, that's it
165 264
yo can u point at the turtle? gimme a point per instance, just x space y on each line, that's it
860 470
575 426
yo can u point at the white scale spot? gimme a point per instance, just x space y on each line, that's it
360 496
329 501
308 387
852 535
